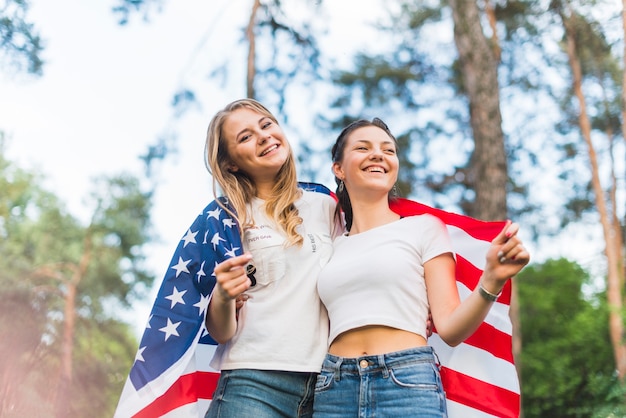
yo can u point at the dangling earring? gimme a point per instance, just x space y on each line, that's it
394 191
340 188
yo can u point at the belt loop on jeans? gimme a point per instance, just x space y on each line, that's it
337 369
383 364
437 362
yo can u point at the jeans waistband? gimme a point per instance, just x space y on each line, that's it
365 364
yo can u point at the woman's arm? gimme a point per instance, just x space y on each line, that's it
231 282
455 321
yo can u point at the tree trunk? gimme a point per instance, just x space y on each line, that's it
623 250
62 398
488 166
251 50
615 273
495 42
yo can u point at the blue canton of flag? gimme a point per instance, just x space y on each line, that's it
176 322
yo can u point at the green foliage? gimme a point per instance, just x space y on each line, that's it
22 322
567 366
20 44
105 351
43 251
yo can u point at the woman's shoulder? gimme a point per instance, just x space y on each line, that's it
424 220
321 194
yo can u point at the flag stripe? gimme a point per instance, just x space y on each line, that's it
492 340
456 409
469 275
480 395
479 364
480 230
187 389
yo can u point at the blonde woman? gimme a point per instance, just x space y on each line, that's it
270 350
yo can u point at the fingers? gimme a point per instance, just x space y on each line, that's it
511 247
241 300
233 263
509 230
515 255
231 276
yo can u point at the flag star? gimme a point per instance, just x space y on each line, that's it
189 237
202 304
201 272
170 329
228 222
139 355
148 324
215 213
216 240
176 297
231 252
181 266
206 234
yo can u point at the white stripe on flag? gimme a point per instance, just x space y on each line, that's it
132 401
468 247
204 354
477 363
498 315
459 410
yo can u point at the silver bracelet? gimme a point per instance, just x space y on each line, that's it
486 294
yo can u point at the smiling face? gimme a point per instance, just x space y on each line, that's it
369 161
256 145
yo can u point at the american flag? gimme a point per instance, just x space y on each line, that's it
171 375
479 375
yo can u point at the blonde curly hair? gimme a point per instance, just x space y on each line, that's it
239 188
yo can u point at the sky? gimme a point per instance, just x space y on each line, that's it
105 96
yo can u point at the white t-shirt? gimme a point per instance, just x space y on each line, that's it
283 326
377 277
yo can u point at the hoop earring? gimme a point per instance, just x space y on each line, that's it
340 188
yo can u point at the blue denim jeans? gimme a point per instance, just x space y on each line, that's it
402 384
244 393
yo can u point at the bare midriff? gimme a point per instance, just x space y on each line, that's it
374 340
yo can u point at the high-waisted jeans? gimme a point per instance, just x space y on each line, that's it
247 393
402 384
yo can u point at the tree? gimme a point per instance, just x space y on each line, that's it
20 43
64 281
566 361
487 166
591 63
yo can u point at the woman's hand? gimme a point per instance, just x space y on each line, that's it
232 279
228 298
505 258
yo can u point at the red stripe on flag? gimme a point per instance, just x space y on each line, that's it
479 395
486 337
481 230
187 389
469 275
496 342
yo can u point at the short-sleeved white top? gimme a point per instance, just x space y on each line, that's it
377 277
283 326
